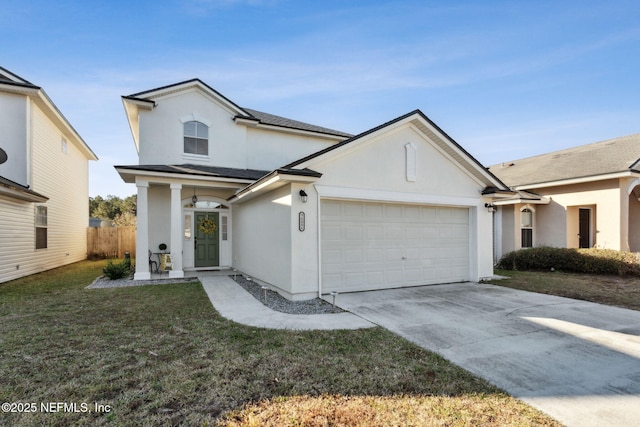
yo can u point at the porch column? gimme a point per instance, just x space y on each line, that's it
142 232
624 214
176 231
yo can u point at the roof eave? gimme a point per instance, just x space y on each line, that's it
131 174
579 180
273 181
21 193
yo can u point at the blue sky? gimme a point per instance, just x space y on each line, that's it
505 79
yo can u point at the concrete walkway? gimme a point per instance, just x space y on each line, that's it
234 303
577 361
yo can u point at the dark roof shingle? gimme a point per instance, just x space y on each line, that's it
191 169
271 119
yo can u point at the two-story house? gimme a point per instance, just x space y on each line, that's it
44 182
306 209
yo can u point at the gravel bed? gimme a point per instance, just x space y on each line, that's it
277 302
104 282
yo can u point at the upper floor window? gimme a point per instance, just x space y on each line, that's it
196 138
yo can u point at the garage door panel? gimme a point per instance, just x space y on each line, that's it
380 245
374 233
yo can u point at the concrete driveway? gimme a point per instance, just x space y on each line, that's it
577 361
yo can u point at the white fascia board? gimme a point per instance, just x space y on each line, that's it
469 161
42 100
132 107
542 201
195 85
269 183
16 193
50 109
363 194
581 180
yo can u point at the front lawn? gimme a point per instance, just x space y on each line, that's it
621 291
161 355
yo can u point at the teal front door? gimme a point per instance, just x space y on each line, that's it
207 243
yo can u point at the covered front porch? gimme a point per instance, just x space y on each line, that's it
184 221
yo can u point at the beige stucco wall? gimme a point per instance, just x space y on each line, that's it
615 216
603 197
262 238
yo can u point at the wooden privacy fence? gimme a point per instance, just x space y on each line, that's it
111 242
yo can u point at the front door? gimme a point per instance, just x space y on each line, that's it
207 243
584 228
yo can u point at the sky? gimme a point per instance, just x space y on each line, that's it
504 79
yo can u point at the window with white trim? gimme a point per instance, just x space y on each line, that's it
526 228
196 138
41 227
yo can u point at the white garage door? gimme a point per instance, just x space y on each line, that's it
368 246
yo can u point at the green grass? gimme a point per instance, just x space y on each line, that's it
161 355
620 291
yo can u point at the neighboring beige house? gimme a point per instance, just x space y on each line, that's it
44 191
306 209
581 197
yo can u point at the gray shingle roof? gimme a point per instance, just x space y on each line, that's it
265 118
190 169
600 158
271 119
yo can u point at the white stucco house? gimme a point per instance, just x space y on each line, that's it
305 209
580 197
44 182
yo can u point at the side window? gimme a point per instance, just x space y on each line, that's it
41 227
526 227
196 138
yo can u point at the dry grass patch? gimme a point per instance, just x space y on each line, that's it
403 410
162 356
620 291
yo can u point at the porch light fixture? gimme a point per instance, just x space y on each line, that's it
194 199
303 196
490 207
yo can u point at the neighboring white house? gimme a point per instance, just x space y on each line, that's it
580 197
44 191
306 209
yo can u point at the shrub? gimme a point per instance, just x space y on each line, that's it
593 261
119 270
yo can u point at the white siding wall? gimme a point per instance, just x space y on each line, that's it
13 131
17 240
63 177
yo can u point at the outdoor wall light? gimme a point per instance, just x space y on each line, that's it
490 207
194 199
303 196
